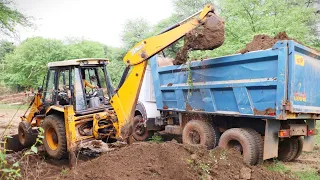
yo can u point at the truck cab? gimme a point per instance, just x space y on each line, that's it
146 110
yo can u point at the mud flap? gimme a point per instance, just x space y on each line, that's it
271 139
308 142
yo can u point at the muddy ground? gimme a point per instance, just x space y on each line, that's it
168 160
7 114
146 160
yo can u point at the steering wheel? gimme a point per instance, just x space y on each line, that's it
94 92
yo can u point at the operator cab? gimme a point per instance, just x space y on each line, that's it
83 83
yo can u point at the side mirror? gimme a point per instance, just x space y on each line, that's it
40 89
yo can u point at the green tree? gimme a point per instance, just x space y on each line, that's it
246 18
171 50
10 18
116 65
27 65
185 8
134 31
6 47
85 49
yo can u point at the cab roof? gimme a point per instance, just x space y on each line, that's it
78 62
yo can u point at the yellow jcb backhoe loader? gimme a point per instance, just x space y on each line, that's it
72 110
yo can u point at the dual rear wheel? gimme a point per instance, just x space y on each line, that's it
245 140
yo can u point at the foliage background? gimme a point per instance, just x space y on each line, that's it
24 65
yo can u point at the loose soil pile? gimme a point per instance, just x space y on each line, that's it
262 42
168 160
208 36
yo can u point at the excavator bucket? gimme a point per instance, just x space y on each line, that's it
208 36
13 144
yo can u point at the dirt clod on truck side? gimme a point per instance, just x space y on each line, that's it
168 160
208 36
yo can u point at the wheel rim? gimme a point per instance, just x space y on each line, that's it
22 135
52 138
194 137
140 129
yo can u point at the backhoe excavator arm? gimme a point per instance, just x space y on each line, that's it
125 98
33 108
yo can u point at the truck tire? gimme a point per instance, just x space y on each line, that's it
300 147
258 142
55 141
243 141
200 133
288 149
140 133
26 136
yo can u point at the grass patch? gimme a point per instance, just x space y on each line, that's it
277 166
308 175
7 106
318 136
156 139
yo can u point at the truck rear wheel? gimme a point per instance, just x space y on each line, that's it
55 141
241 140
140 132
197 132
300 147
258 142
25 134
288 149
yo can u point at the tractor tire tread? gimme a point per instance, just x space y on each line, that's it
62 153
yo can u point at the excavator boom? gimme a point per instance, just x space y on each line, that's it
125 98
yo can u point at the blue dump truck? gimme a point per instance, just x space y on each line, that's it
262 103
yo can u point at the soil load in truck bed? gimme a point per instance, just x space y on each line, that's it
208 36
262 42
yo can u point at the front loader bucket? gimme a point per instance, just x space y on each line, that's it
13 144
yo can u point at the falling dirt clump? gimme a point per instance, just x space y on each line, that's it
208 36
262 42
168 160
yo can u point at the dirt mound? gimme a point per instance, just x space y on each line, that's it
262 42
21 98
206 37
168 160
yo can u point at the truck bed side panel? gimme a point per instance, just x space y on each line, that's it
236 85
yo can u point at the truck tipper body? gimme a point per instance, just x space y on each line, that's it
275 92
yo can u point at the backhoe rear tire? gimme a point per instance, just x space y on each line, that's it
55 141
200 133
26 136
